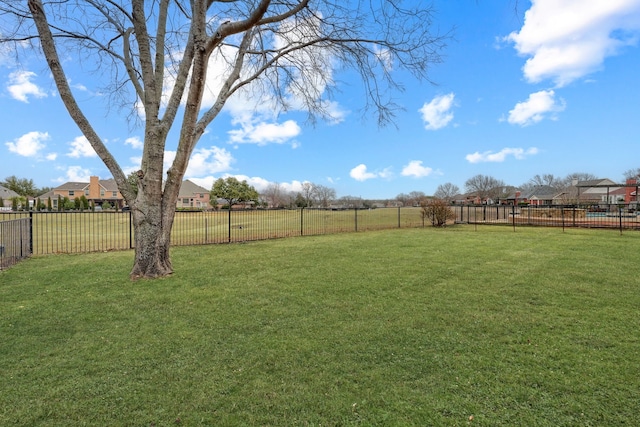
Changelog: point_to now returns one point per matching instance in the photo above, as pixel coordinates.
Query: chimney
(629, 190)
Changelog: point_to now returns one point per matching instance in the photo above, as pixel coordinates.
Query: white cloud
(568, 39)
(29, 144)
(360, 173)
(21, 86)
(437, 113)
(415, 169)
(264, 133)
(203, 161)
(80, 147)
(134, 142)
(501, 156)
(76, 174)
(51, 156)
(535, 108)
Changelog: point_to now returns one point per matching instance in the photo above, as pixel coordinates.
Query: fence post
(356, 218)
(229, 222)
(302, 221)
(130, 230)
(30, 232)
(398, 216)
(513, 216)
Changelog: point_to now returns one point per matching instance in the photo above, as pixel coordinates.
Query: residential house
(6, 196)
(96, 190)
(192, 195)
(594, 191)
(541, 195)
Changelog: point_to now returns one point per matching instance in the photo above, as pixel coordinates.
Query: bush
(437, 211)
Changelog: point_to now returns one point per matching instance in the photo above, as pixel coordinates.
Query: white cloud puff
(29, 144)
(76, 174)
(20, 86)
(135, 142)
(536, 108)
(501, 156)
(203, 161)
(264, 133)
(80, 147)
(415, 169)
(437, 113)
(360, 173)
(568, 39)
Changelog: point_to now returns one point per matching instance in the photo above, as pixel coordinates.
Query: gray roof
(5, 193)
(189, 188)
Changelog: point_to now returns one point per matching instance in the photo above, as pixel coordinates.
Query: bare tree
(274, 195)
(416, 198)
(307, 193)
(632, 174)
(157, 56)
(323, 195)
(446, 191)
(485, 187)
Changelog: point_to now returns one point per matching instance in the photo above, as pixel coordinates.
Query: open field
(438, 327)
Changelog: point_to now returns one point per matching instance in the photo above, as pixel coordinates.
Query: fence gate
(15, 241)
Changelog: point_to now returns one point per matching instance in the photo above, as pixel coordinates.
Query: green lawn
(411, 327)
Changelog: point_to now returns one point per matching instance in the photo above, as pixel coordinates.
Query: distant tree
(416, 198)
(543, 180)
(67, 204)
(274, 195)
(351, 201)
(485, 187)
(22, 186)
(49, 205)
(1, 203)
(438, 211)
(92, 205)
(323, 195)
(301, 201)
(43, 190)
(403, 199)
(77, 204)
(446, 191)
(37, 205)
(84, 203)
(106, 205)
(233, 191)
(60, 204)
(570, 179)
(632, 174)
(14, 203)
(307, 193)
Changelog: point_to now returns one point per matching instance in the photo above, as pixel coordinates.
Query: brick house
(96, 190)
(192, 195)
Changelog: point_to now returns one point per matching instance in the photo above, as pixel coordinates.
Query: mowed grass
(419, 327)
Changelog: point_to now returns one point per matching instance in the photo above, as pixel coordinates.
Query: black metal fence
(613, 216)
(15, 241)
(77, 232)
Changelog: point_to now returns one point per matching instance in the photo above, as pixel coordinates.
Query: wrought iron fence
(77, 232)
(15, 241)
(614, 216)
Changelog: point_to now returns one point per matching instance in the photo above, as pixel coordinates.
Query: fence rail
(15, 241)
(77, 232)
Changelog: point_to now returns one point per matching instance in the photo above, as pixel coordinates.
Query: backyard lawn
(408, 327)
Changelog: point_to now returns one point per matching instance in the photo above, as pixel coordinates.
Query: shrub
(437, 211)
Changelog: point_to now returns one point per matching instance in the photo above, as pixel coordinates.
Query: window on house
(101, 193)
(71, 193)
(185, 201)
(86, 192)
(114, 193)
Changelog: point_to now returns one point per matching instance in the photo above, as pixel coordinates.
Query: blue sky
(526, 88)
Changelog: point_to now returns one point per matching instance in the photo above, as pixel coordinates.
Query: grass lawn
(411, 327)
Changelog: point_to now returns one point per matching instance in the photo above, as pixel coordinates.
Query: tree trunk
(152, 242)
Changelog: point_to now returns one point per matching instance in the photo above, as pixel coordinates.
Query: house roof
(189, 188)
(5, 193)
(541, 192)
